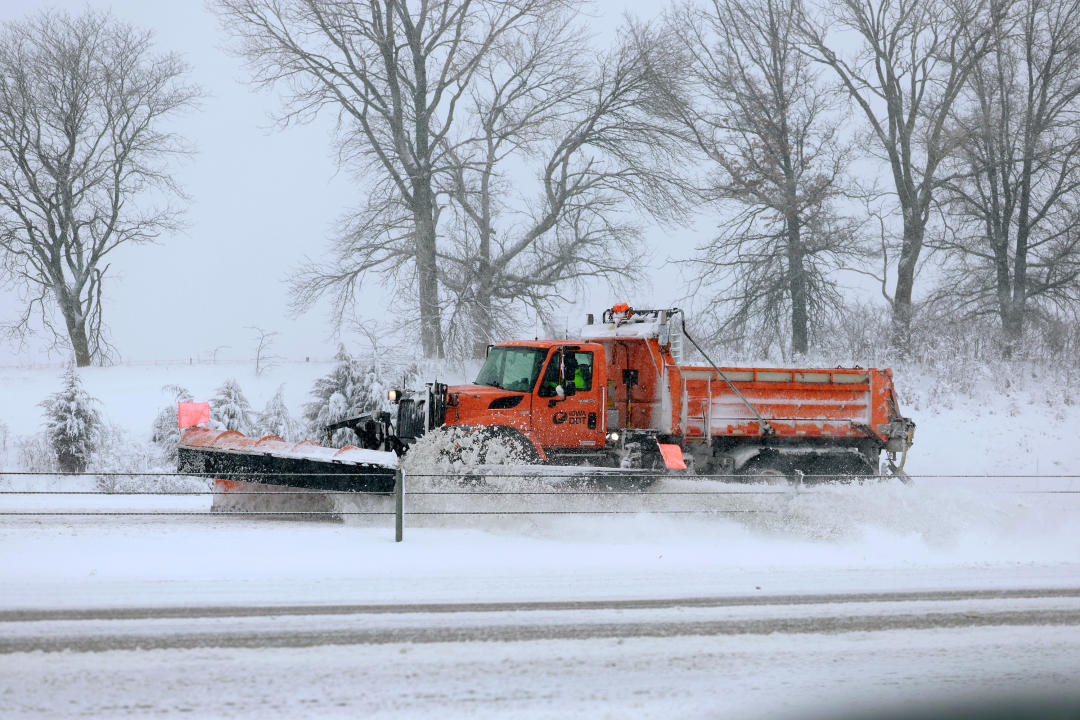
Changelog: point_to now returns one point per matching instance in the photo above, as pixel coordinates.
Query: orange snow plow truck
(620, 396)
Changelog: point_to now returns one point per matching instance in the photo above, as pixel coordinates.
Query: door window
(576, 376)
(551, 376)
(580, 369)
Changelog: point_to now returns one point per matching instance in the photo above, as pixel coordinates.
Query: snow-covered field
(939, 535)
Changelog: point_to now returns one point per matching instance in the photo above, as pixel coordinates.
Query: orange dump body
(796, 402)
(696, 404)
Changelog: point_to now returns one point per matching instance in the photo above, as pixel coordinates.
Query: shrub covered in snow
(276, 420)
(119, 455)
(165, 432)
(33, 453)
(230, 409)
(73, 424)
(124, 464)
(348, 390)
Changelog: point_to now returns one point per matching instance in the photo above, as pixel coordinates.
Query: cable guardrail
(605, 472)
(466, 483)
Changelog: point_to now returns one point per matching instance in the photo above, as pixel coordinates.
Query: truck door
(572, 419)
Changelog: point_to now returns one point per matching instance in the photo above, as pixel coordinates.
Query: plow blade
(278, 501)
(269, 475)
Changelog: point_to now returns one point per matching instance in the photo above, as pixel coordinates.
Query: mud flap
(673, 457)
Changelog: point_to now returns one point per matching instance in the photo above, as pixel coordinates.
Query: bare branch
(1013, 199)
(914, 60)
(597, 151)
(83, 101)
(768, 131)
(264, 340)
(393, 74)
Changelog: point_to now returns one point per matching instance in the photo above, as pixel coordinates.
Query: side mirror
(566, 374)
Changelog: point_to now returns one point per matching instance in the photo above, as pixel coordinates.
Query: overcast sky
(261, 200)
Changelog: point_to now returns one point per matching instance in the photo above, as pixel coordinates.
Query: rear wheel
(839, 468)
(769, 469)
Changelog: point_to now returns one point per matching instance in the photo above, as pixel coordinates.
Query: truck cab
(551, 392)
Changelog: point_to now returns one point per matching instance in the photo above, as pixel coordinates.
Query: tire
(839, 468)
(769, 468)
(505, 446)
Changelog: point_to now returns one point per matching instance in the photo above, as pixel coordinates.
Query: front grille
(412, 418)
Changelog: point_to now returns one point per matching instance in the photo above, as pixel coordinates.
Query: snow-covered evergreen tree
(230, 409)
(276, 420)
(73, 424)
(165, 433)
(348, 390)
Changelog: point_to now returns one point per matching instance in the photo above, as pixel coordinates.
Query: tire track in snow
(99, 639)
(217, 611)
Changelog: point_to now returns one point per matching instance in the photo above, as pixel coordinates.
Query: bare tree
(83, 161)
(755, 110)
(1014, 207)
(585, 131)
(393, 74)
(264, 341)
(914, 60)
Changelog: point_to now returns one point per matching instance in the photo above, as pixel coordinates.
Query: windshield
(512, 368)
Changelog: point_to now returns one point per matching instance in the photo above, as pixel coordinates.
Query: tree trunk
(1018, 306)
(1012, 327)
(431, 339)
(70, 463)
(481, 312)
(71, 309)
(905, 283)
(797, 287)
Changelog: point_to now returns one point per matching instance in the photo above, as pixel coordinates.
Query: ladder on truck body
(676, 340)
(706, 409)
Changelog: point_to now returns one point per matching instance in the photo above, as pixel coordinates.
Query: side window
(579, 370)
(551, 376)
(583, 372)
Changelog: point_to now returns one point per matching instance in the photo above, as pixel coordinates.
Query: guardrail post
(399, 505)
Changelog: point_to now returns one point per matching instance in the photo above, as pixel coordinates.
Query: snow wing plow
(269, 475)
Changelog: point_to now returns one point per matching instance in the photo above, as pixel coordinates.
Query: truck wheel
(652, 469)
(768, 469)
(839, 468)
(500, 446)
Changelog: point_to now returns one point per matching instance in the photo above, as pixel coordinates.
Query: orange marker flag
(192, 413)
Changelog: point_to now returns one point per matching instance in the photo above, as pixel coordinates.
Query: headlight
(613, 437)
(393, 395)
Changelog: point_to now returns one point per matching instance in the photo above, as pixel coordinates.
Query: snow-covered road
(275, 627)
(781, 674)
(841, 598)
